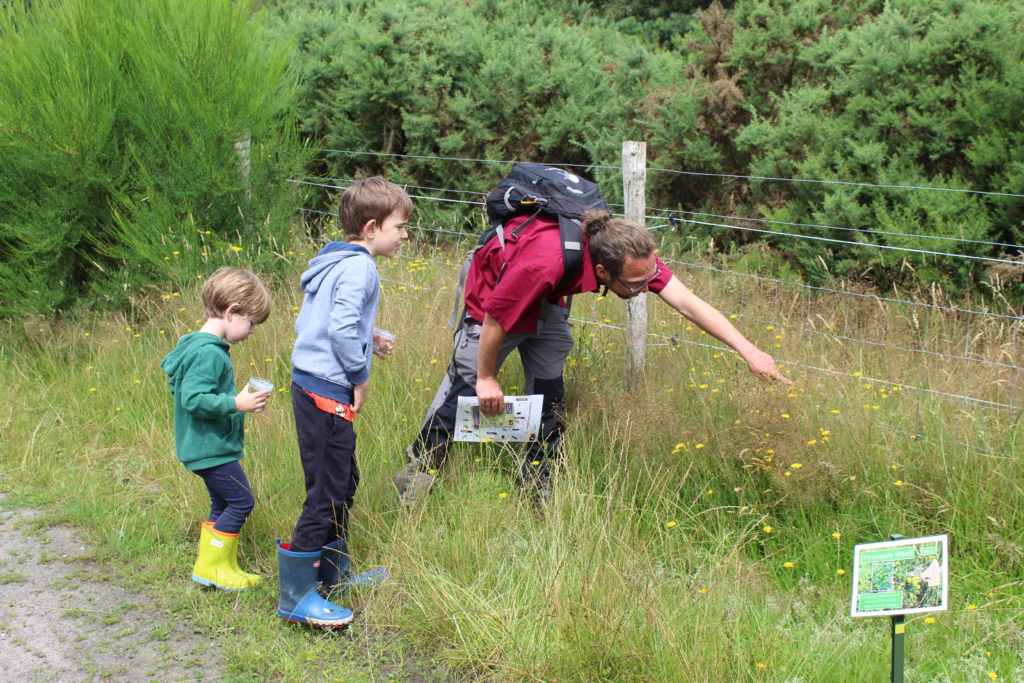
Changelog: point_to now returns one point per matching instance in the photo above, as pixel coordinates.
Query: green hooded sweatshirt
(207, 427)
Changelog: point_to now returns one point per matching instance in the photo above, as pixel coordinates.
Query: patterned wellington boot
(298, 577)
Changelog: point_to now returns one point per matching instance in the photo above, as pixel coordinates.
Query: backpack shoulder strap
(572, 249)
(455, 321)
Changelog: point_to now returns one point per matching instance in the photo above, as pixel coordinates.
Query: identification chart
(518, 422)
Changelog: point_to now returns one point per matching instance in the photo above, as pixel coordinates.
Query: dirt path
(60, 621)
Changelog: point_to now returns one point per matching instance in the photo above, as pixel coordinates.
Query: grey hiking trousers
(543, 356)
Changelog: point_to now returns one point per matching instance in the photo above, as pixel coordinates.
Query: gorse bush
(923, 94)
(118, 124)
(514, 81)
(900, 93)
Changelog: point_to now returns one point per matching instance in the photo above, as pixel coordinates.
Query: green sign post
(899, 577)
(897, 630)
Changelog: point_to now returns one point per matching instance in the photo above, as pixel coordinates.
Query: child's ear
(369, 227)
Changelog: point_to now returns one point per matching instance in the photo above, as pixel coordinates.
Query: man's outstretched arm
(708, 318)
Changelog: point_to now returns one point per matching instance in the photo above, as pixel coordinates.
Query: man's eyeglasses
(638, 288)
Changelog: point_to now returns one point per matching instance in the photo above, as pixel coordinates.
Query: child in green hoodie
(208, 418)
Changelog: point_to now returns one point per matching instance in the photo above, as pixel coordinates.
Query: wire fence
(976, 349)
(844, 335)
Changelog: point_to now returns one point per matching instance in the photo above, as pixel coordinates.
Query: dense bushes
(486, 80)
(898, 93)
(118, 123)
(923, 93)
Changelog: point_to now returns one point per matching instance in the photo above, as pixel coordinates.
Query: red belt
(329, 405)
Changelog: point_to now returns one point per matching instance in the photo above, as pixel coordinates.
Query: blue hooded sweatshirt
(334, 331)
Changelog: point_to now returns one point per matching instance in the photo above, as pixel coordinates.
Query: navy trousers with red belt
(327, 448)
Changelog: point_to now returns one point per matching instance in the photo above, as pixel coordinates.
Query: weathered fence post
(634, 176)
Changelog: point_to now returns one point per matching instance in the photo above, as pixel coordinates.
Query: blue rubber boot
(335, 571)
(298, 577)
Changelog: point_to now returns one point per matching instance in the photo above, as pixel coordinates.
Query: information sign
(905, 576)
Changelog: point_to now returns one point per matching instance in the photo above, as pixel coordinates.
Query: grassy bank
(701, 529)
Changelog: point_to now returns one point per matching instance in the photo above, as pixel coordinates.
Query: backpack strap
(571, 234)
(463, 274)
(571, 237)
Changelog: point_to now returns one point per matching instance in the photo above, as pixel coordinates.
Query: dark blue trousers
(231, 498)
(327, 448)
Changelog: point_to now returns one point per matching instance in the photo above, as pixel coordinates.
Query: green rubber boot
(217, 563)
(253, 579)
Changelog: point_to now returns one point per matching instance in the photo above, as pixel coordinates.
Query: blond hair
(242, 288)
(611, 240)
(373, 198)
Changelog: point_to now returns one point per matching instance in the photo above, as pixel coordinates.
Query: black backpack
(534, 189)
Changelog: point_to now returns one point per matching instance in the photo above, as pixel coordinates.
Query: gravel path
(61, 621)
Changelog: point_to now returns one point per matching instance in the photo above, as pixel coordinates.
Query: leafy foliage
(861, 92)
(926, 94)
(118, 124)
(514, 82)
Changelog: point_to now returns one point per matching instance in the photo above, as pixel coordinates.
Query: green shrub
(118, 123)
(904, 93)
(514, 81)
(923, 94)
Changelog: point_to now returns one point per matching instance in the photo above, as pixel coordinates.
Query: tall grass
(701, 526)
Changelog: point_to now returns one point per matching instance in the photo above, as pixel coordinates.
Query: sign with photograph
(905, 576)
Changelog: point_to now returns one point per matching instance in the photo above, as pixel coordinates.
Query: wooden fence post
(634, 176)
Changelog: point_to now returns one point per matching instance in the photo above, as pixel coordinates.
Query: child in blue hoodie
(208, 416)
(330, 378)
